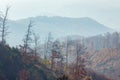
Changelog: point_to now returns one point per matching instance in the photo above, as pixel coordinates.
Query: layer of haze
(106, 12)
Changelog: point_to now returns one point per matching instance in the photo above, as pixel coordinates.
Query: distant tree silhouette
(28, 38)
(4, 26)
(48, 48)
(36, 42)
(49, 45)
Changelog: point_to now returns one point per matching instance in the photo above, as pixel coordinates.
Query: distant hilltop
(58, 26)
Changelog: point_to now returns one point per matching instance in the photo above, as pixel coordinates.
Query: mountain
(58, 26)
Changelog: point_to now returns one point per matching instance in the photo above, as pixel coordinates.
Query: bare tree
(4, 26)
(66, 55)
(45, 49)
(36, 42)
(28, 38)
(80, 60)
(49, 45)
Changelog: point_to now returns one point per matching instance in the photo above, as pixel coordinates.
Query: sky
(106, 12)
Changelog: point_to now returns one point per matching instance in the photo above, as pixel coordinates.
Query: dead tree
(36, 42)
(80, 61)
(4, 27)
(28, 38)
(67, 56)
(49, 45)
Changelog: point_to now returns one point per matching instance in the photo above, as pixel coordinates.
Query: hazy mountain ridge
(59, 26)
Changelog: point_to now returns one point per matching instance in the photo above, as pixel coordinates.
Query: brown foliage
(24, 75)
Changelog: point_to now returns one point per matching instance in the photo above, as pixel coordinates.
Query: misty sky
(106, 12)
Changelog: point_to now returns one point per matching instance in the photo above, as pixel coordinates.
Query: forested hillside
(14, 67)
